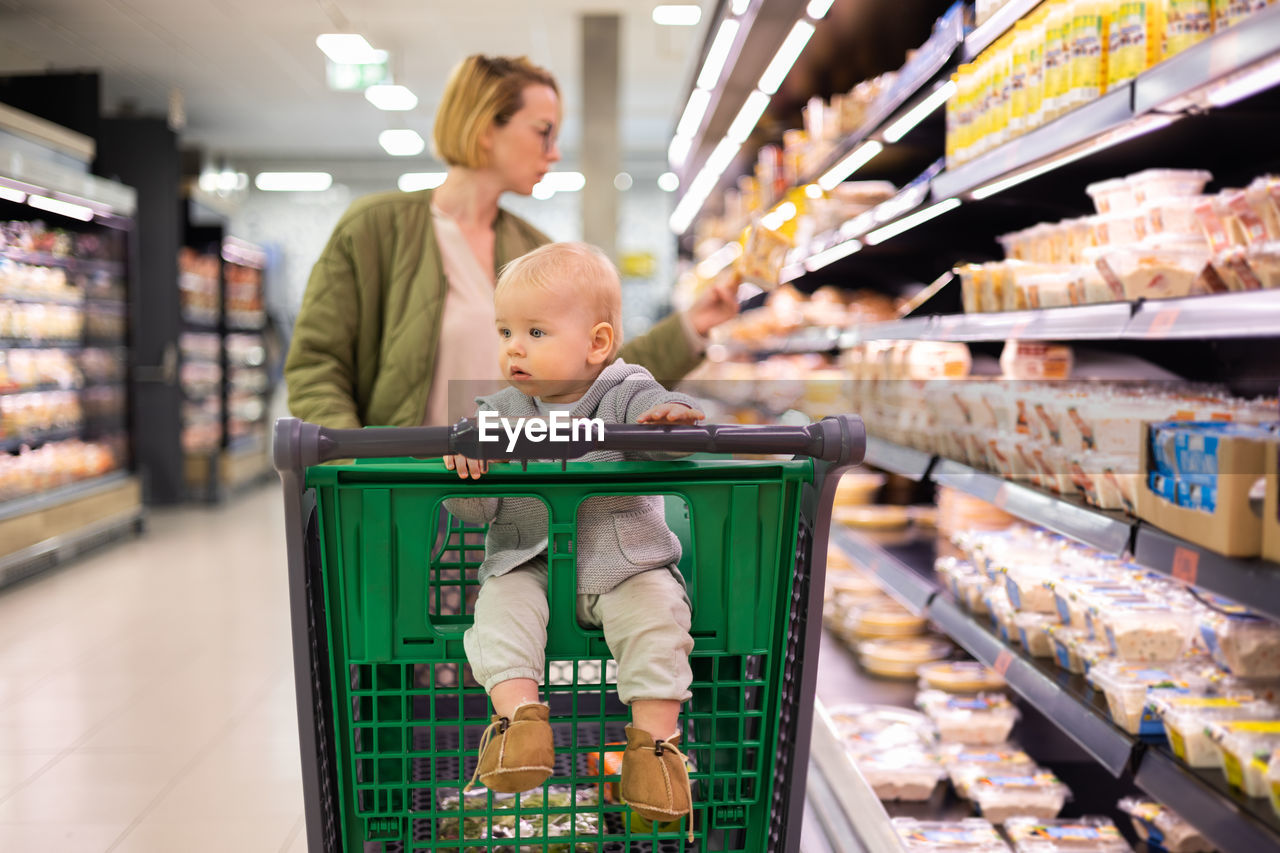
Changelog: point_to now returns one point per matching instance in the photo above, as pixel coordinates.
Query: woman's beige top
(467, 358)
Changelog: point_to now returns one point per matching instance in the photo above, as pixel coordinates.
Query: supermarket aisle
(146, 693)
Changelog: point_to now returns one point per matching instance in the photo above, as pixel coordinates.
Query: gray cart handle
(841, 439)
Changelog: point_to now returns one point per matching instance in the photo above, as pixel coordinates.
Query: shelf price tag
(1002, 662)
(1186, 564)
(1162, 322)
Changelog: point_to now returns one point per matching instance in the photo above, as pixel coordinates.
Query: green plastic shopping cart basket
(382, 582)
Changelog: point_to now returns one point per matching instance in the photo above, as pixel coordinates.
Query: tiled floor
(146, 693)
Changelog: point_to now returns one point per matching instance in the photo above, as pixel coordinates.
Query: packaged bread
(1162, 827)
(1065, 835)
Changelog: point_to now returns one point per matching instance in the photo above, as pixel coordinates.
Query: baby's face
(546, 344)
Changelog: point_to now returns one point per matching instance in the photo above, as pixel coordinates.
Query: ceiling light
(835, 253)
(668, 182)
(12, 195)
(919, 112)
(1140, 126)
(739, 6)
(391, 97)
(691, 118)
(745, 121)
(817, 9)
(65, 208)
(893, 229)
(622, 182)
(856, 159)
(776, 218)
(349, 49)
(401, 142)
(716, 56)
(678, 150)
(677, 16)
(1237, 88)
(411, 182)
(293, 181)
(786, 57)
(718, 260)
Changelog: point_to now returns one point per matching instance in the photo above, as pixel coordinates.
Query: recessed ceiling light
(411, 182)
(401, 142)
(668, 182)
(677, 16)
(622, 181)
(293, 181)
(391, 97)
(349, 49)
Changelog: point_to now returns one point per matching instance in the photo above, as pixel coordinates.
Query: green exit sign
(356, 78)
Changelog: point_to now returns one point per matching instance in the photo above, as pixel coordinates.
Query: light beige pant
(645, 618)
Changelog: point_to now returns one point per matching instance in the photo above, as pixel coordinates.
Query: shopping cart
(382, 582)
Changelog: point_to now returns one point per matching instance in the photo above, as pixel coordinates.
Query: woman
(401, 300)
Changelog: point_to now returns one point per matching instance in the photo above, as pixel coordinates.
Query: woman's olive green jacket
(364, 345)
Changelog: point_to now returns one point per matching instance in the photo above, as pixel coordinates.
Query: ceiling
(252, 81)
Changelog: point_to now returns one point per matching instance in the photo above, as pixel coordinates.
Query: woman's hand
(671, 413)
(718, 304)
(466, 468)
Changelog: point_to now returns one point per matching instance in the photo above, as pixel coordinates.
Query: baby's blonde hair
(580, 271)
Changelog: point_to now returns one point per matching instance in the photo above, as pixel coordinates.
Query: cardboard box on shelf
(1233, 525)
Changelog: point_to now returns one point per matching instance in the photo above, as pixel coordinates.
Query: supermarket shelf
(1078, 127)
(896, 459)
(1233, 822)
(1080, 323)
(1186, 75)
(40, 437)
(913, 589)
(1251, 314)
(44, 259)
(62, 494)
(1252, 582)
(1111, 532)
(37, 389)
(34, 343)
(1069, 702)
(910, 329)
(1228, 819)
(995, 26)
(849, 789)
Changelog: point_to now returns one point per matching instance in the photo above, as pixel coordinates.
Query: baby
(557, 311)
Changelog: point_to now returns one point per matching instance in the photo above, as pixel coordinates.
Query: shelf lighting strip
(855, 160)
(919, 112)
(52, 201)
(893, 229)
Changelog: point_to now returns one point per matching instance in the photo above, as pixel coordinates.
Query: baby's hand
(671, 413)
(466, 468)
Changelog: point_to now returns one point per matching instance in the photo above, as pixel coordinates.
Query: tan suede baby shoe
(654, 780)
(516, 754)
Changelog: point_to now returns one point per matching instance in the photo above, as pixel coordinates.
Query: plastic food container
(901, 658)
(1187, 720)
(1080, 834)
(972, 591)
(982, 718)
(1273, 781)
(1149, 631)
(1033, 633)
(1002, 615)
(960, 677)
(1162, 827)
(886, 623)
(1126, 684)
(1069, 596)
(1241, 642)
(1153, 184)
(972, 835)
(966, 763)
(1037, 795)
(902, 774)
(1175, 216)
(1112, 196)
(1028, 587)
(1246, 747)
(1072, 648)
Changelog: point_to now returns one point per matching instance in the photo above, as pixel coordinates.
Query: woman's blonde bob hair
(482, 91)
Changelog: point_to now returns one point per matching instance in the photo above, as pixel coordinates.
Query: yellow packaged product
(1186, 22)
(763, 256)
(1022, 36)
(1057, 58)
(1228, 13)
(901, 658)
(1246, 747)
(1035, 69)
(1089, 33)
(960, 677)
(887, 622)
